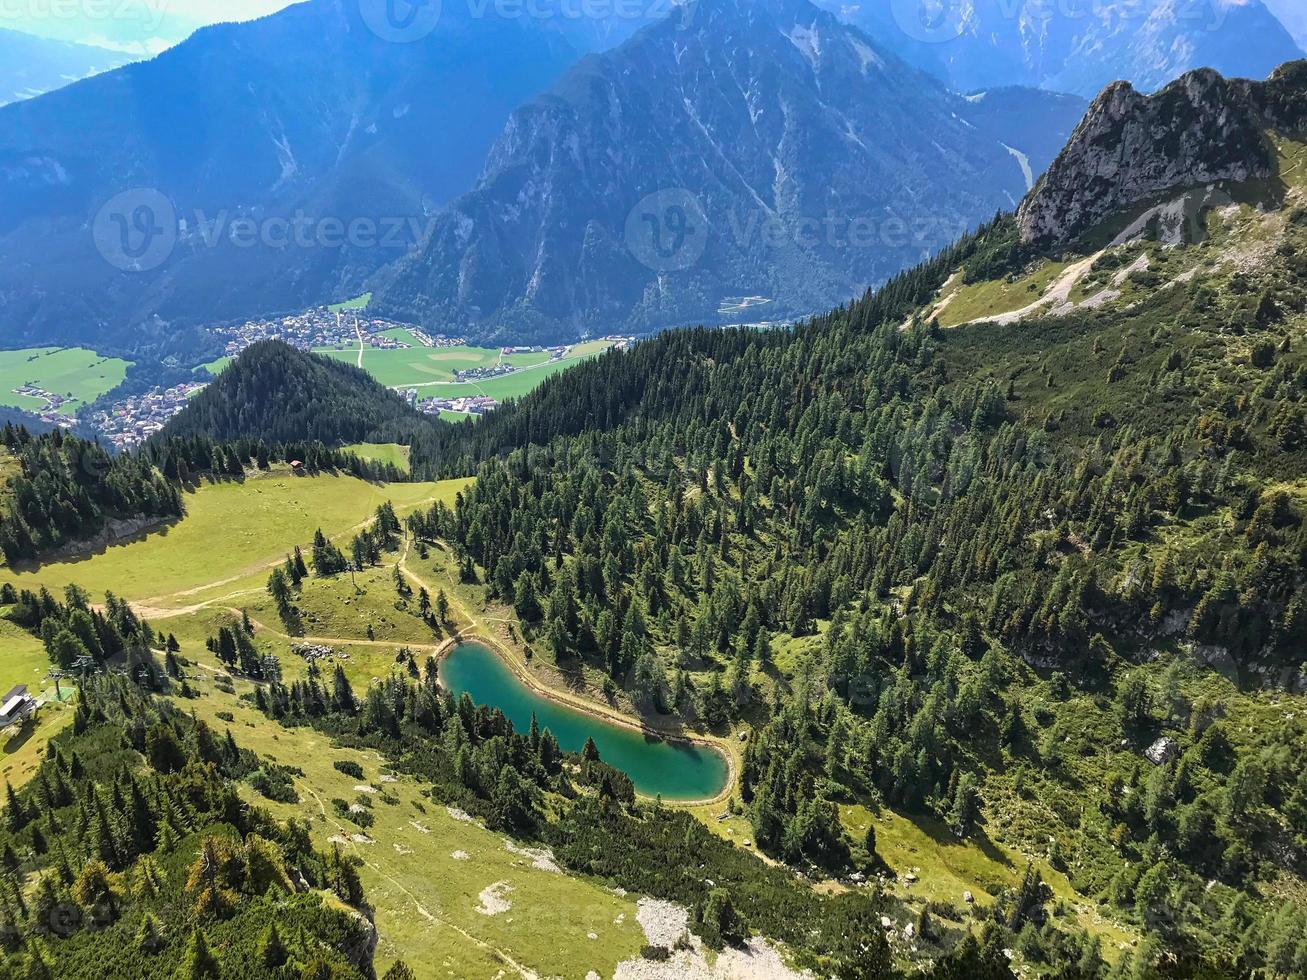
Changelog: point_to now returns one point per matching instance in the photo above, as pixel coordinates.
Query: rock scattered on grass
(494, 898)
(542, 859)
(664, 923)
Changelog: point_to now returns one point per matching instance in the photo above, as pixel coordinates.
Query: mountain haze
(1077, 46)
(780, 160)
(305, 112)
(32, 65)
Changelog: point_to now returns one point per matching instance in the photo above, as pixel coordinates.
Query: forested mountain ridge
(57, 489)
(1041, 578)
(279, 394)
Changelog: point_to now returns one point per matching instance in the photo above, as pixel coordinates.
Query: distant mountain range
(308, 115)
(732, 161)
(31, 65)
(749, 160)
(1079, 46)
(227, 177)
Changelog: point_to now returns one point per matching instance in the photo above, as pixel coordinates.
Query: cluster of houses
(321, 328)
(469, 405)
(484, 373)
(54, 411)
(129, 422)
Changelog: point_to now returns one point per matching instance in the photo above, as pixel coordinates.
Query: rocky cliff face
(742, 160)
(1129, 148)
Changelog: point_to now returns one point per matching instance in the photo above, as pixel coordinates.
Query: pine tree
(198, 961)
(149, 936)
(15, 812)
(271, 951)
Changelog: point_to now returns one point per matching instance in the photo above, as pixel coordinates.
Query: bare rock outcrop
(1130, 147)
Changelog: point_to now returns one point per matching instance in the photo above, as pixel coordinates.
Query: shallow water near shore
(677, 770)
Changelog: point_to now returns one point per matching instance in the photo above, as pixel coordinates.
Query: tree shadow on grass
(24, 735)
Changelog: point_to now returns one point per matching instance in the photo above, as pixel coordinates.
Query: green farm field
(381, 452)
(231, 534)
(520, 382)
(357, 303)
(431, 369)
(79, 374)
(416, 365)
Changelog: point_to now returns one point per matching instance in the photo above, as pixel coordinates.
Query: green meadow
(231, 534)
(416, 365)
(357, 303)
(533, 369)
(382, 452)
(79, 374)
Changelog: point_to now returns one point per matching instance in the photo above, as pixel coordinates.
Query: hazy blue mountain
(1077, 45)
(32, 65)
(740, 160)
(310, 115)
(1293, 15)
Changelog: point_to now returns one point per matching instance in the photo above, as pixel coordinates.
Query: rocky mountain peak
(1201, 129)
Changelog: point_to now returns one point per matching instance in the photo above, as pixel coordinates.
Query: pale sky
(210, 11)
(141, 27)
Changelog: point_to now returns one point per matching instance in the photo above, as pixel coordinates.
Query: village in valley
(437, 374)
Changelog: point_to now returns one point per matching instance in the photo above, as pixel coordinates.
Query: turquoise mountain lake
(676, 770)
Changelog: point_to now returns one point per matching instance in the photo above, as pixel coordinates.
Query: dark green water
(677, 771)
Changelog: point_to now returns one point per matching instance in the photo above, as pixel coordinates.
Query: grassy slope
(425, 899)
(976, 300)
(357, 303)
(379, 452)
(23, 661)
(231, 534)
(82, 374)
